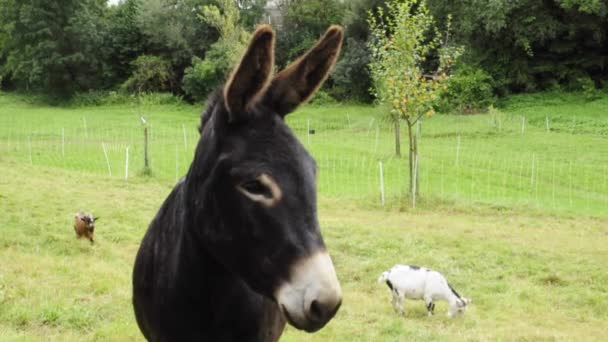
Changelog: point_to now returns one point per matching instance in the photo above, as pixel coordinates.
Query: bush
(204, 76)
(587, 86)
(201, 78)
(469, 90)
(351, 76)
(322, 98)
(152, 74)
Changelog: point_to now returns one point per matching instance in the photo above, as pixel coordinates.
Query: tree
(172, 30)
(304, 21)
(529, 45)
(55, 46)
(206, 74)
(125, 39)
(401, 45)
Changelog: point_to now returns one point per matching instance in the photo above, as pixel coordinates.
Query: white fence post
(415, 181)
(105, 153)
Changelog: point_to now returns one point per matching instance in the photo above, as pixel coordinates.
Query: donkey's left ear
(299, 81)
(249, 80)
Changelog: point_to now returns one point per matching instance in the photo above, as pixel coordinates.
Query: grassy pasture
(528, 245)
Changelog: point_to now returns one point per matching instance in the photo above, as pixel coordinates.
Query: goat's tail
(383, 278)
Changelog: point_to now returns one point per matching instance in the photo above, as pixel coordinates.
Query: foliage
(304, 21)
(529, 45)
(251, 12)
(151, 74)
(468, 90)
(400, 44)
(125, 39)
(55, 47)
(351, 76)
(204, 75)
(173, 31)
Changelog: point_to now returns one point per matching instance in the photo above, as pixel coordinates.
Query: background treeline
(186, 47)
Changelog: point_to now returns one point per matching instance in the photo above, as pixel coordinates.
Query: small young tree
(402, 42)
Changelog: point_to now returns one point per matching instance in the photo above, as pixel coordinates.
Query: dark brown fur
(84, 226)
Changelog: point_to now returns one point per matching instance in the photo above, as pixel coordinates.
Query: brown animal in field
(84, 225)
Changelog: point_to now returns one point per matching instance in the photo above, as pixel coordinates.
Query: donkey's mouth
(312, 295)
(308, 326)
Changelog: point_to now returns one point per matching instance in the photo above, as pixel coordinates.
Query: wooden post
(523, 124)
(547, 123)
(63, 142)
(146, 160)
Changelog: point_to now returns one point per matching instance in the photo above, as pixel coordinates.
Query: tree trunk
(411, 159)
(413, 165)
(398, 138)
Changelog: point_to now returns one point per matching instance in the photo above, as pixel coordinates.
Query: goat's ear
(299, 81)
(251, 77)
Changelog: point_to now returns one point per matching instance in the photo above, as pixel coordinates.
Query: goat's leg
(430, 306)
(401, 304)
(394, 301)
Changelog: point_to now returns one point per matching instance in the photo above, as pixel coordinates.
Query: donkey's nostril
(315, 312)
(320, 312)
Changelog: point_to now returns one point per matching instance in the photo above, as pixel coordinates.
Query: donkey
(236, 252)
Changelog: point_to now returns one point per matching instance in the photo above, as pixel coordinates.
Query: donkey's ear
(299, 81)
(251, 77)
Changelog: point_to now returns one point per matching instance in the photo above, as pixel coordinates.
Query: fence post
(381, 183)
(127, 163)
(415, 181)
(146, 161)
(547, 123)
(523, 124)
(105, 153)
(63, 142)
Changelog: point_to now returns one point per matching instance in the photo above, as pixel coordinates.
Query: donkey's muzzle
(313, 295)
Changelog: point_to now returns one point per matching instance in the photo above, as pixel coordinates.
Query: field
(513, 209)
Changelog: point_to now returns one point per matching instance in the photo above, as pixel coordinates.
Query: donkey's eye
(256, 188)
(263, 190)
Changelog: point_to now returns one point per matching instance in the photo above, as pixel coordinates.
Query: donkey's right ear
(299, 81)
(249, 80)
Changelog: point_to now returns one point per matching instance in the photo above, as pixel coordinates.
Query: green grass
(527, 244)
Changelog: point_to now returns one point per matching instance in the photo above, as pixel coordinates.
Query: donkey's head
(252, 185)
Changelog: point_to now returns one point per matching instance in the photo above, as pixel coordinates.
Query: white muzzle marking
(313, 295)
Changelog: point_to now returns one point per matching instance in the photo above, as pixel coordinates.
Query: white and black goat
(416, 282)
